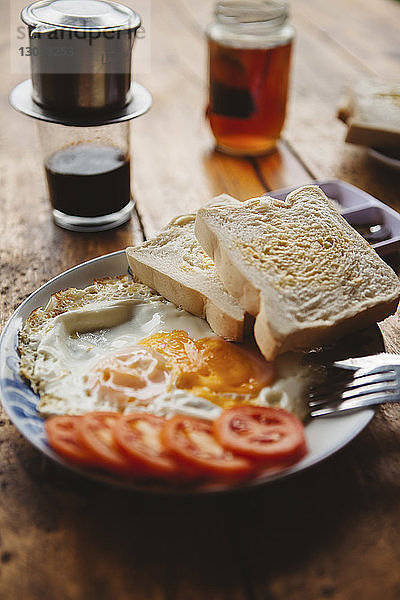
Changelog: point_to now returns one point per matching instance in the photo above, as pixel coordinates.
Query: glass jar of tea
(250, 45)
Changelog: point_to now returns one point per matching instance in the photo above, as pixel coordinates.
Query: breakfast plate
(324, 436)
(384, 159)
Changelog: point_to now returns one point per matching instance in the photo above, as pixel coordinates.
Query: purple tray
(358, 208)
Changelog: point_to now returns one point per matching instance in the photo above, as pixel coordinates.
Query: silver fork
(357, 387)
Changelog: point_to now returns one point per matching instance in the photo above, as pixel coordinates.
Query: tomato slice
(96, 432)
(63, 437)
(138, 434)
(193, 442)
(263, 433)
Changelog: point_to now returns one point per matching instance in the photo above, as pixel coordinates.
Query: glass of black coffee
(88, 175)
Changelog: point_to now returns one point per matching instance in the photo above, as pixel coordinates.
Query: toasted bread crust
(227, 325)
(233, 277)
(291, 288)
(174, 264)
(371, 110)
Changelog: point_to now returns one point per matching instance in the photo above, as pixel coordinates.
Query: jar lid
(251, 11)
(79, 14)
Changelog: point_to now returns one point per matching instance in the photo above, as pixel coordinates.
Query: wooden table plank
(364, 31)
(326, 540)
(189, 173)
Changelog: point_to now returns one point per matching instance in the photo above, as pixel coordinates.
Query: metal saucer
(21, 99)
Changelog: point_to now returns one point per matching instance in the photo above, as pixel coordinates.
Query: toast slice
(371, 111)
(174, 264)
(296, 265)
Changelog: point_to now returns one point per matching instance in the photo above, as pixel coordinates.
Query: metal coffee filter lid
(79, 15)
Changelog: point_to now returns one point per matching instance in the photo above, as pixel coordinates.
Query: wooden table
(333, 532)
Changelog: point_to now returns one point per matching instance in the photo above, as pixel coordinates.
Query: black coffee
(88, 180)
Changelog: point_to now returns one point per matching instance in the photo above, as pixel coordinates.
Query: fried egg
(118, 346)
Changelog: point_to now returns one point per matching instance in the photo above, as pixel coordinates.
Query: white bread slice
(174, 264)
(296, 265)
(371, 111)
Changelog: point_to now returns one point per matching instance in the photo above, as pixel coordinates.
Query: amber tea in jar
(250, 44)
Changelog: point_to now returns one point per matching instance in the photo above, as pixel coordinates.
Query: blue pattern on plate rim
(20, 401)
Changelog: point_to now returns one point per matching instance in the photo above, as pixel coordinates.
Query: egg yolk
(222, 372)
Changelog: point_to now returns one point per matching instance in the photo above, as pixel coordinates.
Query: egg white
(76, 340)
(67, 347)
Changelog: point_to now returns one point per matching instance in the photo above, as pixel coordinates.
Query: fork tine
(368, 379)
(378, 362)
(366, 387)
(356, 404)
(376, 370)
(342, 384)
(353, 389)
(374, 388)
(355, 394)
(339, 374)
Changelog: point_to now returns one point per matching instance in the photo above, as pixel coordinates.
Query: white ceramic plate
(325, 436)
